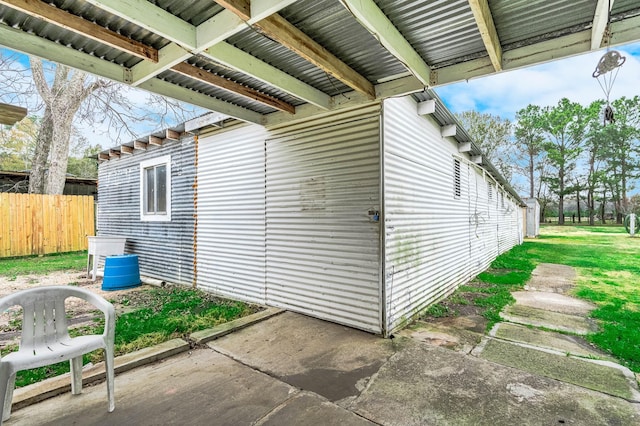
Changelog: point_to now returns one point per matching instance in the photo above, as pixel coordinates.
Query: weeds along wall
(445, 218)
(165, 248)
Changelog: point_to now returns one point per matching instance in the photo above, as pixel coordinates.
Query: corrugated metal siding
(323, 256)
(434, 240)
(165, 249)
(231, 213)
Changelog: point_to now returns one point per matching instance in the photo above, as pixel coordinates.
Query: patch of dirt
(81, 312)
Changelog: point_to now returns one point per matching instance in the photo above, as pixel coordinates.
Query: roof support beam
(61, 18)
(373, 19)
(448, 130)
(180, 93)
(30, 44)
(241, 61)
(148, 16)
(600, 20)
(242, 8)
(11, 114)
(426, 107)
(216, 80)
(140, 145)
(484, 20)
(464, 147)
(172, 135)
(625, 31)
(187, 39)
(288, 35)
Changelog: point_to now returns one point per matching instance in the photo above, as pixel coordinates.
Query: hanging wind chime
(607, 70)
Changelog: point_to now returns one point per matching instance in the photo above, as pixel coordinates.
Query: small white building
(363, 216)
(533, 217)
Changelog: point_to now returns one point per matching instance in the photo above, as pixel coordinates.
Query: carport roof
(266, 61)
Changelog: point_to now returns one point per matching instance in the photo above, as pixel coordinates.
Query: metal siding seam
(195, 215)
(384, 324)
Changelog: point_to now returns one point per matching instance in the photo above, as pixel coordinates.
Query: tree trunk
(37, 175)
(531, 176)
(561, 210)
(578, 204)
(591, 207)
(59, 155)
(62, 100)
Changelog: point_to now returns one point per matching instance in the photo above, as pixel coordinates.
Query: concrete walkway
(290, 369)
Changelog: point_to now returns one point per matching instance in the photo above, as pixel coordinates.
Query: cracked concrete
(292, 369)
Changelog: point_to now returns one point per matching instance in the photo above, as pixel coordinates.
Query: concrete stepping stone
(552, 278)
(552, 320)
(610, 379)
(555, 302)
(564, 343)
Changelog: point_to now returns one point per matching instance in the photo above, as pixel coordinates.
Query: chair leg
(7, 383)
(109, 370)
(76, 375)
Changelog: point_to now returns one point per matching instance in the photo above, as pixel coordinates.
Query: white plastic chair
(45, 338)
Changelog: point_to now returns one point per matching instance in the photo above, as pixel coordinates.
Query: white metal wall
(323, 247)
(231, 213)
(434, 240)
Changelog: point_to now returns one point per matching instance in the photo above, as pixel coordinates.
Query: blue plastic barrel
(121, 272)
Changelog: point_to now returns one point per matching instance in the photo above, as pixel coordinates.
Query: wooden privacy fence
(42, 224)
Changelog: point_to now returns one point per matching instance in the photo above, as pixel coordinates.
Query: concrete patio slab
(427, 385)
(579, 371)
(323, 373)
(460, 334)
(329, 359)
(200, 387)
(311, 409)
(554, 302)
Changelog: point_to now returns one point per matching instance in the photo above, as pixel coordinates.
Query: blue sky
(505, 93)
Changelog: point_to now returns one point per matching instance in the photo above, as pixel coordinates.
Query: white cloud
(505, 93)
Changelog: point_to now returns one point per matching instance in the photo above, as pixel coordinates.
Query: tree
(565, 126)
(82, 158)
(528, 132)
(17, 144)
(62, 101)
(68, 96)
(620, 151)
(492, 134)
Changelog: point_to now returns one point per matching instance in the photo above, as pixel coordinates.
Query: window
(456, 178)
(155, 189)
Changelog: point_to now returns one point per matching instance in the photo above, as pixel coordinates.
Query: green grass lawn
(608, 264)
(607, 261)
(14, 266)
(153, 315)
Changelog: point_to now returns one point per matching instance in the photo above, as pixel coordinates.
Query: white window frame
(155, 217)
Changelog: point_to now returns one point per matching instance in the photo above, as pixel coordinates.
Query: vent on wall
(456, 178)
